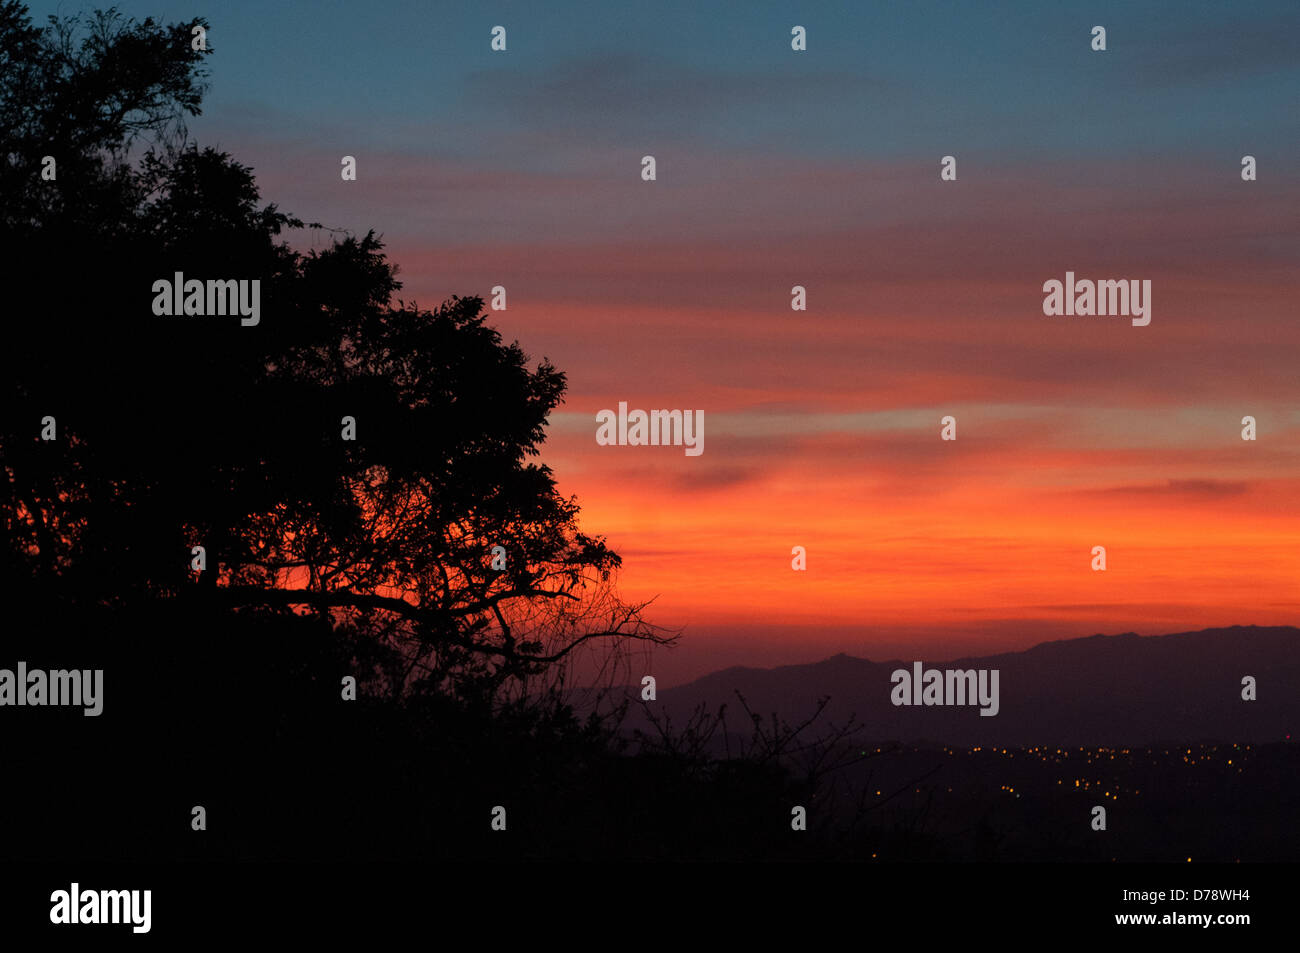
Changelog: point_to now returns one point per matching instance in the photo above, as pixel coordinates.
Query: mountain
(1102, 690)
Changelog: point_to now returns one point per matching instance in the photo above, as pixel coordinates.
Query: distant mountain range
(1102, 690)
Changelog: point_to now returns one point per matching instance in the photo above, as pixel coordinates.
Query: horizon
(665, 685)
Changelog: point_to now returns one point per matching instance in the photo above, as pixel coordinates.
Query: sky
(821, 168)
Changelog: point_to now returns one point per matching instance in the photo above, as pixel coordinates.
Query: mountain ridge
(1100, 689)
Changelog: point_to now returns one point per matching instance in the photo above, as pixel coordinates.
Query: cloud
(1213, 489)
(1221, 49)
(613, 93)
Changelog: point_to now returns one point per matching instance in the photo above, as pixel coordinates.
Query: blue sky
(879, 79)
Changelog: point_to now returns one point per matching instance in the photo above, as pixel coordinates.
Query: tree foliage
(175, 431)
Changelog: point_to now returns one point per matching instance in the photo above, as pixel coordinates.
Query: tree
(175, 432)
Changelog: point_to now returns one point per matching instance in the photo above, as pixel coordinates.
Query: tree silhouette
(324, 555)
(183, 431)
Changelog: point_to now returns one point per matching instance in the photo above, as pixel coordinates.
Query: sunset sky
(776, 168)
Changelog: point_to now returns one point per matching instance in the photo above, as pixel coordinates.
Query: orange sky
(924, 547)
(924, 298)
(822, 427)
